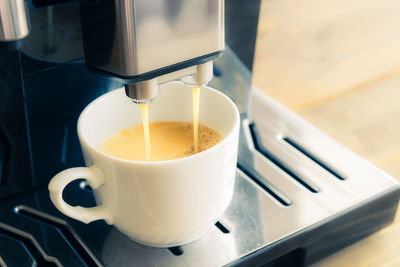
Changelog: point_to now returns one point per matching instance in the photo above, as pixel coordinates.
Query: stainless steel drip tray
(299, 196)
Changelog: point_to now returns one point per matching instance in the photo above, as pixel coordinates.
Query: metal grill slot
(177, 251)
(269, 188)
(30, 243)
(260, 148)
(313, 158)
(222, 228)
(65, 229)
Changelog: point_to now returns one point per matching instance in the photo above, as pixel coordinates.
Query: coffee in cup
(169, 140)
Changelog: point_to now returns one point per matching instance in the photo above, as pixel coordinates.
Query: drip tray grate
(299, 196)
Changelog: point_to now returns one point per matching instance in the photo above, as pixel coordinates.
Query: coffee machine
(299, 195)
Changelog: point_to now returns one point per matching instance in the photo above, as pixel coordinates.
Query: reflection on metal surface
(55, 32)
(66, 231)
(13, 20)
(40, 258)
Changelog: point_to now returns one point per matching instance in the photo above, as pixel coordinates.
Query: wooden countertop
(337, 64)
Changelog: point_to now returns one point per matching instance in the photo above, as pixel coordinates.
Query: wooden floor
(337, 64)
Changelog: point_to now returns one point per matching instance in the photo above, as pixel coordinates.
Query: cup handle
(95, 178)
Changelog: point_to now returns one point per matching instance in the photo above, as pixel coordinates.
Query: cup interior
(114, 111)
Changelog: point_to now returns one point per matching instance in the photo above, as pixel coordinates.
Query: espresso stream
(157, 141)
(196, 106)
(145, 121)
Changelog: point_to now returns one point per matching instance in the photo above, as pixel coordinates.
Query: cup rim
(158, 162)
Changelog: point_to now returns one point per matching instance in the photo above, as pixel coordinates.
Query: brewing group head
(147, 91)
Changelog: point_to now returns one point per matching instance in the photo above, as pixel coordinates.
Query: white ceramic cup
(157, 203)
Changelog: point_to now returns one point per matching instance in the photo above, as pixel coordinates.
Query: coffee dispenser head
(143, 92)
(144, 43)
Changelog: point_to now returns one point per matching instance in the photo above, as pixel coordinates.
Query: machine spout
(202, 75)
(143, 92)
(146, 91)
